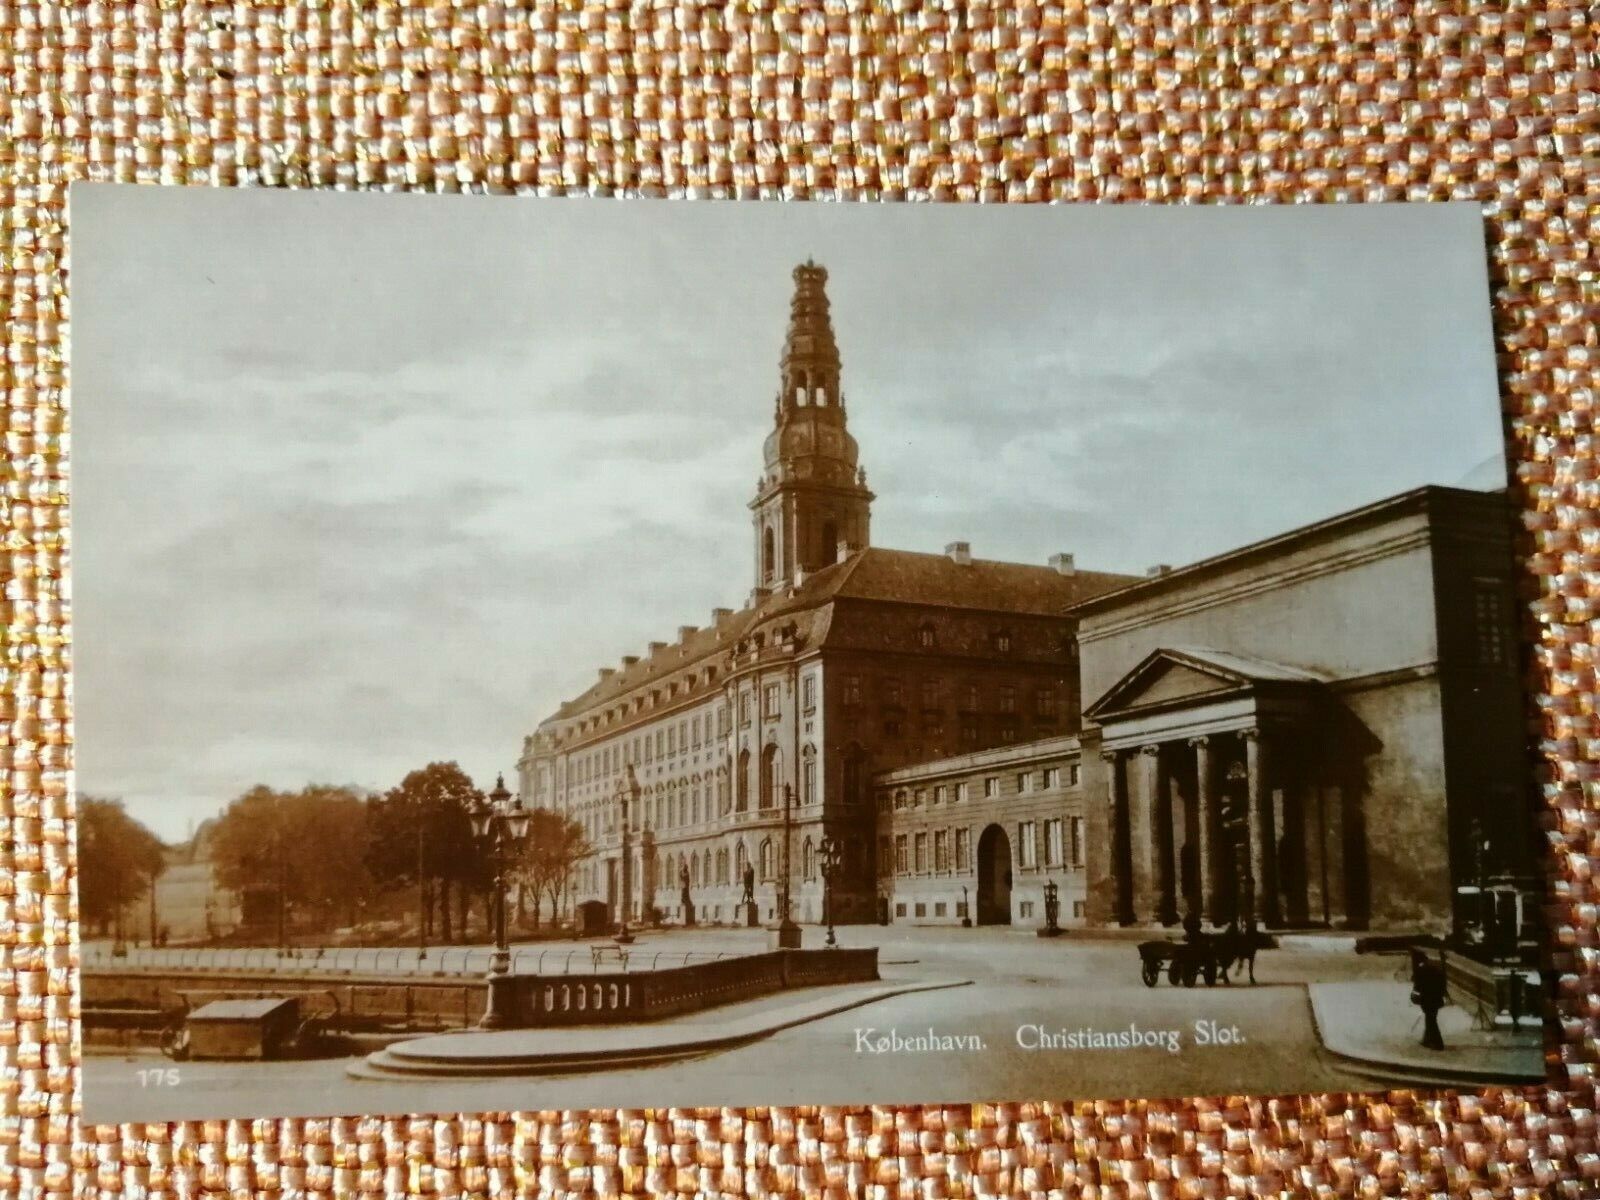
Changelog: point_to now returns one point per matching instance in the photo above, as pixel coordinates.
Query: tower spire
(812, 502)
(809, 369)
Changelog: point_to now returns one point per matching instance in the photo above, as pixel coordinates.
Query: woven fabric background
(1084, 100)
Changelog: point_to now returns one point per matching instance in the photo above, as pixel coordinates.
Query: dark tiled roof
(873, 574)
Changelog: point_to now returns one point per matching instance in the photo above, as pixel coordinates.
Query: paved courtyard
(1036, 1018)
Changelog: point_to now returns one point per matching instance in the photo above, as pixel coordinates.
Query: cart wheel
(1149, 972)
(1191, 974)
(1175, 973)
(1211, 973)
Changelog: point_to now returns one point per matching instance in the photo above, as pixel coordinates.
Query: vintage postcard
(570, 653)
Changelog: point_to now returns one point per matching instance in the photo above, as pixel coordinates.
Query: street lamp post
(500, 827)
(627, 794)
(831, 853)
(786, 934)
(422, 887)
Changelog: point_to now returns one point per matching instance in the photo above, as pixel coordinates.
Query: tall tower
(812, 498)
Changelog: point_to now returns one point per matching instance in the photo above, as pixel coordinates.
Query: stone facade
(974, 838)
(1319, 729)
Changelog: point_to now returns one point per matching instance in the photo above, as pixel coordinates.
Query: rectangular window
(900, 909)
(724, 720)
(1052, 777)
(901, 799)
(1027, 845)
(941, 850)
(744, 708)
(969, 731)
(922, 908)
(1025, 908)
(961, 792)
(961, 908)
(1077, 909)
(772, 700)
(1008, 730)
(939, 908)
(661, 742)
(883, 801)
(1008, 699)
(809, 693)
(683, 735)
(940, 793)
(930, 693)
(893, 696)
(852, 690)
(885, 857)
(991, 787)
(919, 798)
(1072, 775)
(1044, 704)
(1489, 622)
(921, 851)
(649, 754)
(697, 733)
(972, 698)
(1024, 781)
(963, 849)
(1075, 841)
(672, 740)
(1053, 856)
(891, 727)
(902, 854)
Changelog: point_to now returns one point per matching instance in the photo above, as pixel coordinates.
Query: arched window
(766, 869)
(769, 554)
(724, 800)
(694, 868)
(741, 782)
(830, 542)
(741, 860)
(722, 865)
(808, 775)
(809, 859)
(771, 776)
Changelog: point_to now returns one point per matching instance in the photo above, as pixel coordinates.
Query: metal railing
(448, 961)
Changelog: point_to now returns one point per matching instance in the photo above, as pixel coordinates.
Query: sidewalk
(589, 1047)
(1373, 1027)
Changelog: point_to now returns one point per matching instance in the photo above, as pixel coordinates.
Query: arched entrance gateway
(994, 877)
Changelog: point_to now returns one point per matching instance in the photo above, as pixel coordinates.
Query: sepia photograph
(567, 653)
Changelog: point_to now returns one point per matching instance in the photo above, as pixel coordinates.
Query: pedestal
(751, 919)
(785, 935)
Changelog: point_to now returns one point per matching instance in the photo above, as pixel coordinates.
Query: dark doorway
(994, 877)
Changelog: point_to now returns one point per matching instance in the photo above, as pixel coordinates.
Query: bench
(608, 952)
(1491, 992)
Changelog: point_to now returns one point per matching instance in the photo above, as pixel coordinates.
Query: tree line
(326, 856)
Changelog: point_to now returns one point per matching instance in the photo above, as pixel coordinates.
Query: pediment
(1160, 682)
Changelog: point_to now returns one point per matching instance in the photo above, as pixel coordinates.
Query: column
(1121, 855)
(1263, 849)
(1141, 860)
(1205, 901)
(1158, 801)
(1293, 869)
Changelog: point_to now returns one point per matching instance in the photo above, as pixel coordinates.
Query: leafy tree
(119, 860)
(305, 847)
(432, 804)
(555, 844)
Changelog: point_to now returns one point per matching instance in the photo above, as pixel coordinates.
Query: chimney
(628, 660)
(719, 615)
(685, 632)
(606, 673)
(656, 648)
(959, 552)
(1157, 571)
(1062, 564)
(845, 550)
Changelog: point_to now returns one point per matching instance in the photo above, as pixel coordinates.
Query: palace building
(1320, 729)
(763, 729)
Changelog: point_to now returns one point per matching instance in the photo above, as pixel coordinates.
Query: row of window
(892, 693)
(942, 851)
(942, 908)
(1045, 779)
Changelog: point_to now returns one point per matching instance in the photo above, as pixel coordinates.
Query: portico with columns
(1215, 802)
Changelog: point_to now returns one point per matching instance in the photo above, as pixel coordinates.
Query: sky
(362, 482)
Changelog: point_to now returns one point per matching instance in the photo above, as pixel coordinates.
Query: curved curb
(387, 1066)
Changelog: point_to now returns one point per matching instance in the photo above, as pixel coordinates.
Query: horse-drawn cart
(1185, 963)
